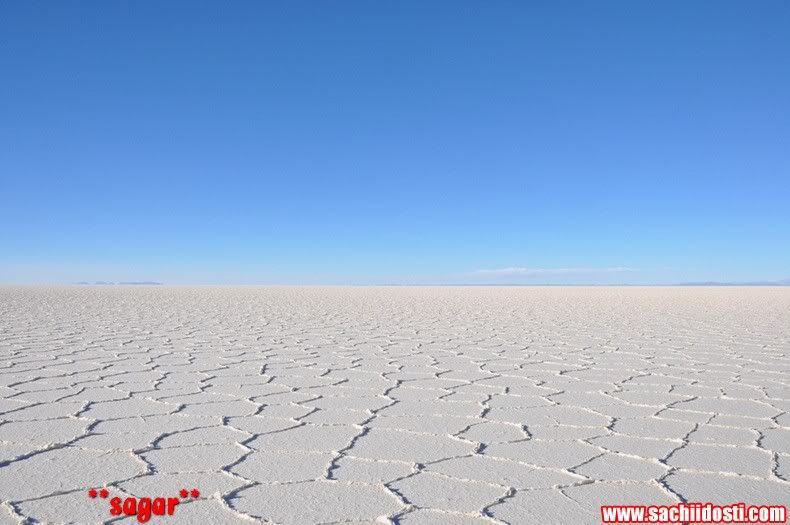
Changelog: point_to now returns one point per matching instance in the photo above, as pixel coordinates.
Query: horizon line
(709, 284)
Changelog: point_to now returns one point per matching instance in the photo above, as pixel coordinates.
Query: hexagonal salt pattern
(391, 404)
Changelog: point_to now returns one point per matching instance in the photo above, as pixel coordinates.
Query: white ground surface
(416, 405)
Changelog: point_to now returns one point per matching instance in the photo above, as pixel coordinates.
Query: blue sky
(395, 142)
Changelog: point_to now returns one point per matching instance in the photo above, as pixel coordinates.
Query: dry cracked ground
(391, 404)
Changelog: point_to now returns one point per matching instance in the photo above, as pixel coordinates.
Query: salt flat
(377, 404)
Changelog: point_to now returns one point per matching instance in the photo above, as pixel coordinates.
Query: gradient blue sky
(394, 142)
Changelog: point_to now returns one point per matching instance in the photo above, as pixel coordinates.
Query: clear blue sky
(394, 142)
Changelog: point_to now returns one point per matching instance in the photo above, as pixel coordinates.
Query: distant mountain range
(125, 282)
(780, 282)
